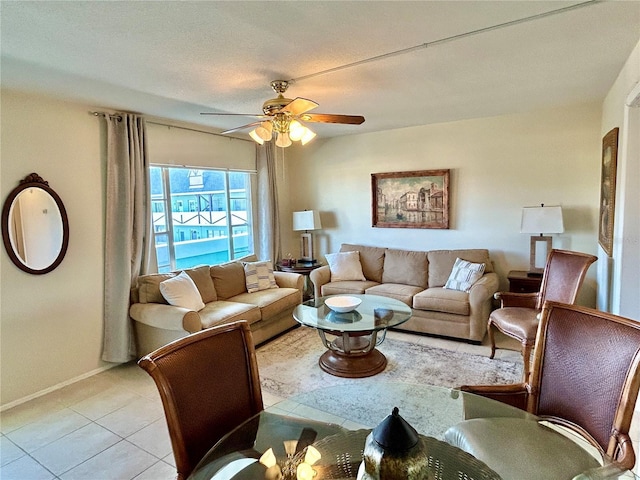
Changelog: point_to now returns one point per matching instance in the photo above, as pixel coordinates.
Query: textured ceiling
(177, 59)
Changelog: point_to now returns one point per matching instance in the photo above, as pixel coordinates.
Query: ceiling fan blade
(248, 125)
(329, 118)
(298, 106)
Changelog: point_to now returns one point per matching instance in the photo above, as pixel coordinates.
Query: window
(209, 220)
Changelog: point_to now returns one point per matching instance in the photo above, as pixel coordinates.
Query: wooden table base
(353, 365)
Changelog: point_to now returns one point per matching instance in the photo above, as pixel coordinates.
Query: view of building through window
(210, 219)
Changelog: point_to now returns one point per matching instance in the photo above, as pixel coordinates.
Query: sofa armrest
(484, 289)
(167, 317)
(319, 277)
(289, 280)
(512, 299)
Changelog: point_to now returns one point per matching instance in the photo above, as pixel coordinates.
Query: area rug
(289, 365)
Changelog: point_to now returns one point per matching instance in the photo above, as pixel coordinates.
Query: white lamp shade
(307, 220)
(539, 220)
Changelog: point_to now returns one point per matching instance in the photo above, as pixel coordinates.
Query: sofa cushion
(181, 291)
(464, 274)
(356, 286)
(439, 299)
(441, 263)
(345, 266)
(272, 301)
(403, 293)
(371, 259)
(259, 276)
(407, 267)
(149, 287)
(201, 276)
(228, 279)
(226, 312)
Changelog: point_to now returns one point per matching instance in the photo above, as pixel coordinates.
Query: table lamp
(307, 220)
(540, 220)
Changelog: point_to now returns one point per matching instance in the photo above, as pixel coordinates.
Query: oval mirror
(35, 228)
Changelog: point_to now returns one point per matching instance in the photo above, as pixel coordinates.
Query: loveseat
(418, 278)
(224, 292)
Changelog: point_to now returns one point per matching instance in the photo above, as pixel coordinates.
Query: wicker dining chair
(208, 384)
(585, 379)
(518, 315)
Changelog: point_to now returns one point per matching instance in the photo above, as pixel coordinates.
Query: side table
(520, 282)
(304, 270)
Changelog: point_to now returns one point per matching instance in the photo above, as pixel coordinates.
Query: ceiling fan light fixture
(307, 137)
(264, 131)
(256, 136)
(296, 130)
(283, 140)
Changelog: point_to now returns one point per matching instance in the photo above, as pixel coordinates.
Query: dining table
(324, 432)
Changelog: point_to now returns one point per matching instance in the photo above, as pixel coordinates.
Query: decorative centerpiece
(394, 451)
(342, 303)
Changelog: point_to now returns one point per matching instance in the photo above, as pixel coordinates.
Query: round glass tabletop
(373, 314)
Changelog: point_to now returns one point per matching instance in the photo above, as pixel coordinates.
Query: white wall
(51, 325)
(498, 165)
(618, 276)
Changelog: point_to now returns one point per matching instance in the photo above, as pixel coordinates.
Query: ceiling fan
(284, 118)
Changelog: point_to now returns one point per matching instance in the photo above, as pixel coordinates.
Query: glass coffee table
(351, 338)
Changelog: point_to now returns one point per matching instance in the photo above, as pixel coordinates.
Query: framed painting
(410, 199)
(608, 190)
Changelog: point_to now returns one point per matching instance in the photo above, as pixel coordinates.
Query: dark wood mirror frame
(33, 180)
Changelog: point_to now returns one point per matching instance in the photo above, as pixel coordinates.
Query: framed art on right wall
(608, 190)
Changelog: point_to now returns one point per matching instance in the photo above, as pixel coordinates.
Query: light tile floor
(111, 426)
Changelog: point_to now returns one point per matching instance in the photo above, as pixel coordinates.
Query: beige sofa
(417, 278)
(224, 293)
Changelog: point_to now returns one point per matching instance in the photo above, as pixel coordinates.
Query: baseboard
(58, 386)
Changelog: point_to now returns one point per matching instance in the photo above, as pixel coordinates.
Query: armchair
(518, 315)
(584, 381)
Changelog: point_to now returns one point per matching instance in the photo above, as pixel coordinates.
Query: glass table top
(374, 313)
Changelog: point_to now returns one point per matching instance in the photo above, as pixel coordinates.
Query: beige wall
(51, 325)
(618, 276)
(498, 165)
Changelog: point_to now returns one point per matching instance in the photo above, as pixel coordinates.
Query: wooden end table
(520, 282)
(304, 270)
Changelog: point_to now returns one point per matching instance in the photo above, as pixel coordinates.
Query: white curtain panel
(129, 249)
(268, 217)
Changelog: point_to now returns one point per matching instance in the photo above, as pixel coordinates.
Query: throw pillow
(463, 275)
(345, 266)
(181, 291)
(259, 276)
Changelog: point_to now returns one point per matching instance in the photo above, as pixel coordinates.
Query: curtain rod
(119, 117)
(105, 115)
(196, 130)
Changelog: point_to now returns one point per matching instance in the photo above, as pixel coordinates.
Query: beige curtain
(129, 250)
(268, 216)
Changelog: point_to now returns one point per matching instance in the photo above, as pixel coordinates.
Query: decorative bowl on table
(342, 303)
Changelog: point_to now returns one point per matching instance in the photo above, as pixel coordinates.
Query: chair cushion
(442, 300)
(403, 293)
(229, 279)
(354, 286)
(407, 267)
(345, 266)
(518, 322)
(181, 291)
(514, 447)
